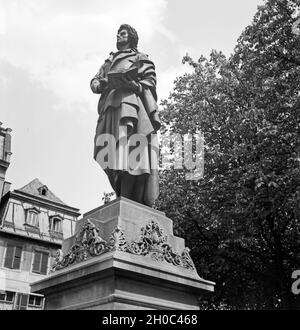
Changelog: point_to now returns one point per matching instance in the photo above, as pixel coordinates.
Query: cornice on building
(18, 232)
(20, 195)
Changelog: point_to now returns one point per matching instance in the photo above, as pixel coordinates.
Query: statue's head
(127, 35)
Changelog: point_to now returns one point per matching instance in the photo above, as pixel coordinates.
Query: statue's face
(122, 38)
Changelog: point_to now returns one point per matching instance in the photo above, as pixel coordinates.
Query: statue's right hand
(103, 81)
(103, 84)
(95, 86)
(99, 85)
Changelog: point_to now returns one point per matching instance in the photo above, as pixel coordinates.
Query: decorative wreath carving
(152, 241)
(87, 244)
(117, 240)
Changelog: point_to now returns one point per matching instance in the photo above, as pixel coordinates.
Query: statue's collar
(115, 57)
(126, 51)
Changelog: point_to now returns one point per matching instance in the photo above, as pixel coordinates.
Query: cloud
(168, 74)
(61, 44)
(167, 78)
(2, 21)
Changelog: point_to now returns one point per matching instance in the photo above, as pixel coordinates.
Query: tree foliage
(108, 197)
(242, 219)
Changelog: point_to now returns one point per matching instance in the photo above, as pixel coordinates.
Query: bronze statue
(128, 109)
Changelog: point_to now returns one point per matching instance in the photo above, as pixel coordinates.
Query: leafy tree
(242, 219)
(108, 197)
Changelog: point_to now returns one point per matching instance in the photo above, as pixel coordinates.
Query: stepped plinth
(124, 255)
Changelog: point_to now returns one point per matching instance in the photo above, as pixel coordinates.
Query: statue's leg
(115, 179)
(139, 188)
(127, 185)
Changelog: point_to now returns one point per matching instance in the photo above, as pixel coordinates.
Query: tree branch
(286, 58)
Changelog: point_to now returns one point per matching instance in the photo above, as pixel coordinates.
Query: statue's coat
(137, 112)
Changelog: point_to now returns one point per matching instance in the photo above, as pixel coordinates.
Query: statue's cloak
(122, 111)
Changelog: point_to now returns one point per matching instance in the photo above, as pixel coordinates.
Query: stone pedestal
(124, 256)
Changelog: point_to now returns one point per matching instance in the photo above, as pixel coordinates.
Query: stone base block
(118, 280)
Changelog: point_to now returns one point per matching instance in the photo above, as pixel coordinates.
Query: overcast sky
(50, 50)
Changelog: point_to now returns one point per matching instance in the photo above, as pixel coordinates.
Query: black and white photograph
(149, 158)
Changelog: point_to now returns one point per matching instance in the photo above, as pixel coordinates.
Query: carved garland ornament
(152, 242)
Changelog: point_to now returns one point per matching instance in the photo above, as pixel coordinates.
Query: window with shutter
(35, 301)
(17, 257)
(36, 262)
(40, 263)
(9, 256)
(22, 301)
(38, 301)
(44, 264)
(10, 296)
(31, 300)
(13, 257)
(7, 296)
(55, 224)
(32, 217)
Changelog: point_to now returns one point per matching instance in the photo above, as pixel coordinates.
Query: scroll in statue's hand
(124, 79)
(130, 84)
(125, 83)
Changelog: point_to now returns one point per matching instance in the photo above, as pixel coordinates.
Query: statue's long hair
(132, 34)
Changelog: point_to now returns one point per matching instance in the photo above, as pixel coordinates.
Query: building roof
(34, 188)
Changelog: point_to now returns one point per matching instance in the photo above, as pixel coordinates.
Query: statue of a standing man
(128, 108)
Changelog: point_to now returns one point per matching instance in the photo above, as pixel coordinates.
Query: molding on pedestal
(152, 241)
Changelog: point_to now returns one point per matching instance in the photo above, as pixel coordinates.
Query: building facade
(33, 224)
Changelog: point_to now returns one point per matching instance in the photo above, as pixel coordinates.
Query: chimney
(5, 154)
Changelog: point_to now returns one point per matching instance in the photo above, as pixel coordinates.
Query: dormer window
(43, 191)
(55, 223)
(32, 217)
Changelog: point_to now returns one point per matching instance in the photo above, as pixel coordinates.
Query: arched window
(43, 191)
